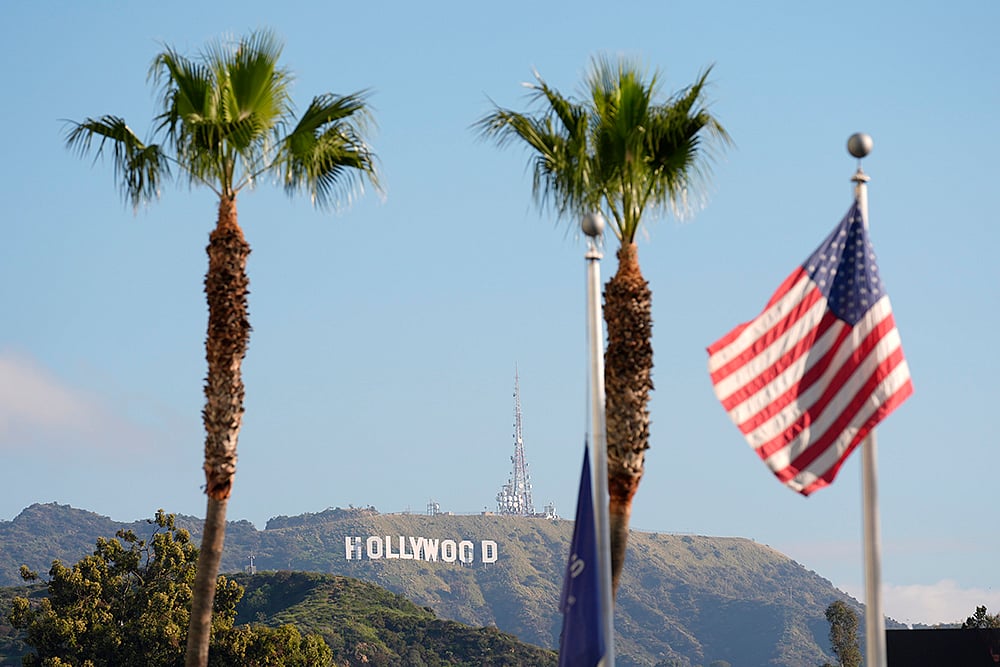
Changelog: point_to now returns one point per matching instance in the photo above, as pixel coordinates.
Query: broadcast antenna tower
(515, 496)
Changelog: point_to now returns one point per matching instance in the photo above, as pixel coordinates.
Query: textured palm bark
(628, 367)
(226, 289)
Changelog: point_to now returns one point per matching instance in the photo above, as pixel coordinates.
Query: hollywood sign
(419, 548)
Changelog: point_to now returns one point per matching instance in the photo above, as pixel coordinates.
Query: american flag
(811, 376)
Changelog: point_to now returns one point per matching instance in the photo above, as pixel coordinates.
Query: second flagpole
(859, 145)
(593, 226)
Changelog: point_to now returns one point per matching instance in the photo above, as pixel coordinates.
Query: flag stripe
(793, 383)
(843, 371)
(768, 370)
(788, 333)
(827, 477)
(823, 468)
(791, 292)
(852, 406)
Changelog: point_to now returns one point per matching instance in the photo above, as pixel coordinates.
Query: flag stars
(845, 271)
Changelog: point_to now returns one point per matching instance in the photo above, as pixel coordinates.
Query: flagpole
(593, 226)
(859, 145)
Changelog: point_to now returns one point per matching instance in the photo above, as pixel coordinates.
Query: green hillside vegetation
(684, 599)
(364, 623)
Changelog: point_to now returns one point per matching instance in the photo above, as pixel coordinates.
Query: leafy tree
(262, 646)
(227, 121)
(844, 633)
(981, 620)
(627, 154)
(128, 604)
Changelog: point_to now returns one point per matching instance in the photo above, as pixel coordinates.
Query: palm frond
(224, 112)
(254, 89)
(137, 167)
(557, 134)
(649, 154)
(326, 154)
(683, 143)
(187, 92)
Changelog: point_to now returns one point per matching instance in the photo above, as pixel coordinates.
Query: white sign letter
(374, 547)
(402, 549)
(489, 554)
(415, 545)
(448, 551)
(388, 548)
(430, 549)
(352, 548)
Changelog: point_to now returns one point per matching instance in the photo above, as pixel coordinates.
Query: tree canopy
(844, 633)
(128, 604)
(625, 150)
(981, 620)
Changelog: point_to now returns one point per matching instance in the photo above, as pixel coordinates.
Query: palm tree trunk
(203, 595)
(628, 366)
(226, 289)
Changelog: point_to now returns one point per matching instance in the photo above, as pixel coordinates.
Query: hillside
(685, 598)
(362, 623)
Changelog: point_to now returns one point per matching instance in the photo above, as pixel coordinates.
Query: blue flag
(582, 643)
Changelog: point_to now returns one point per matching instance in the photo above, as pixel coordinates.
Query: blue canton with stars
(845, 271)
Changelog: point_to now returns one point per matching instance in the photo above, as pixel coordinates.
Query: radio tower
(514, 498)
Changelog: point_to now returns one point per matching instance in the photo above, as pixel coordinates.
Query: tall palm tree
(624, 153)
(226, 121)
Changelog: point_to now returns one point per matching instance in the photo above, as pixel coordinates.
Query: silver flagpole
(859, 145)
(593, 226)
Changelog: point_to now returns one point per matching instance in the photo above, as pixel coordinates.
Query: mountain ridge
(689, 599)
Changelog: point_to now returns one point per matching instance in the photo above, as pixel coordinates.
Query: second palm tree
(623, 153)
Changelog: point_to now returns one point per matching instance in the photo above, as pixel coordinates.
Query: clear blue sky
(385, 337)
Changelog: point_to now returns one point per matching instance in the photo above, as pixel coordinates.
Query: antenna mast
(515, 496)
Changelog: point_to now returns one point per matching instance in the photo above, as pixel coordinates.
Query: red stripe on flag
(781, 364)
(847, 415)
(819, 444)
(894, 401)
(835, 432)
(726, 340)
(795, 314)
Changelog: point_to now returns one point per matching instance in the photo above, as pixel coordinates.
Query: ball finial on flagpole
(593, 224)
(859, 144)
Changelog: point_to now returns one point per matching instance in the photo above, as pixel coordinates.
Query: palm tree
(626, 154)
(226, 121)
